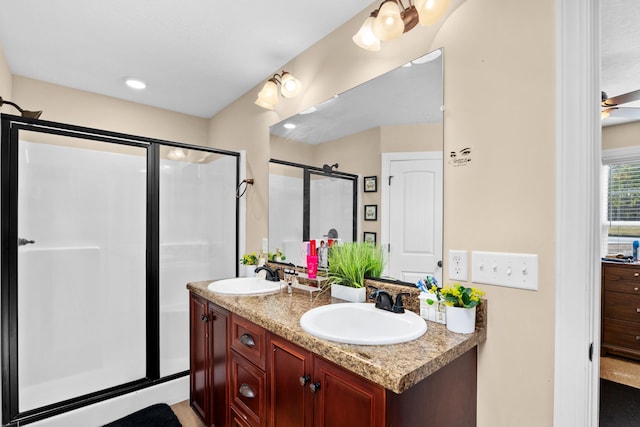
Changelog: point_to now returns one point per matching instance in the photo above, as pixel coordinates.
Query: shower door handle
(23, 241)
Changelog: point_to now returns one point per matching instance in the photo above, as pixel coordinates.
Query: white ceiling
(620, 50)
(196, 56)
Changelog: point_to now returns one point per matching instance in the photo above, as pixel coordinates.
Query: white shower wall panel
(81, 293)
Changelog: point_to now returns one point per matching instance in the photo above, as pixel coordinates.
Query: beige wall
(499, 68)
(76, 107)
(620, 136)
(6, 83)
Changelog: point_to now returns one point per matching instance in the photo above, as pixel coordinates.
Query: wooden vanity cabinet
(208, 361)
(306, 391)
(621, 309)
(247, 376)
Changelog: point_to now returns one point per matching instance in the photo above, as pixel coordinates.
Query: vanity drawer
(621, 334)
(621, 278)
(249, 340)
(622, 306)
(248, 389)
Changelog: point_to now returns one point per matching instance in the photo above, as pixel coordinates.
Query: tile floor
(185, 415)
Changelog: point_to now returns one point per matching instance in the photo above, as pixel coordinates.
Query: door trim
(577, 280)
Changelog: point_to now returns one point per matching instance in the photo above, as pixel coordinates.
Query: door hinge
(591, 352)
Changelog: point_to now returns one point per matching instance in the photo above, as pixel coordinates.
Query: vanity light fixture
(289, 88)
(23, 113)
(392, 19)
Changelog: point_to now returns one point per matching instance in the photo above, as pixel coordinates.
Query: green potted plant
(250, 262)
(461, 303)
(349, 263)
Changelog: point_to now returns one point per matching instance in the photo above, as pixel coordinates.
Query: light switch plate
(458, 265)
(505, 269)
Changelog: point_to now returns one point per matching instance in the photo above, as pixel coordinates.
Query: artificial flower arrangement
(277, 256)
(459, 296)
(249, 259)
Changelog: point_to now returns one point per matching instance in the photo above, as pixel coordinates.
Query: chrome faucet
(272, 275)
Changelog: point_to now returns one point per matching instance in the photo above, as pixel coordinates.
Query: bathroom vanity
(253, 365)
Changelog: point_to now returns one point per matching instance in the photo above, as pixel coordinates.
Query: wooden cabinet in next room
(621, 309)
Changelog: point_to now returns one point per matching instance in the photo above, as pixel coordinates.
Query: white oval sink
(244, 286)
(362, 323)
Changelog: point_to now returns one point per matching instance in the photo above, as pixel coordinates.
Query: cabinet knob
(637, 309)
(247, 391)
(305, 380)
(204, 317)
(314, 387)
(635, 289)
(637, 337)
(636, 274)
(247, 340)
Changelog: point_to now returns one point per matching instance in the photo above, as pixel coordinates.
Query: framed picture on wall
(370, 184)
(370, 212)
(369, 237)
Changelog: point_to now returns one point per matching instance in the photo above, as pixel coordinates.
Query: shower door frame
(9, 140)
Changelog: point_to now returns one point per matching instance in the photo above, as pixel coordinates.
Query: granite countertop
(396, 367)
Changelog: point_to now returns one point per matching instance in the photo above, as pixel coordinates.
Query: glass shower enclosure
(100, 234)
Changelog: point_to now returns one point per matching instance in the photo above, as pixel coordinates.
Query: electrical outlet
(458, 265)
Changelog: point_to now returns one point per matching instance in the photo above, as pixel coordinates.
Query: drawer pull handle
(247, 391)
(636, 274)
(247, 340)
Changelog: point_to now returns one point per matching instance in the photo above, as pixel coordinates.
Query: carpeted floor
(158, 415)
(619, 405)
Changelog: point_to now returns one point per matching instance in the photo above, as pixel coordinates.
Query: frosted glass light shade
(430, 11)
(365, 38)
(268, 96)
(290, 86)
(388, 25)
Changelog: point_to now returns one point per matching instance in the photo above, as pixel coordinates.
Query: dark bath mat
(619, 405)
(158, 415)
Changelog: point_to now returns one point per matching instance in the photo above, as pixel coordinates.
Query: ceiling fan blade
(627, 113)
(622, 99)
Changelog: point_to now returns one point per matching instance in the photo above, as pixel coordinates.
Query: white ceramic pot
(349, 294)
(249, 270)
(461, 320)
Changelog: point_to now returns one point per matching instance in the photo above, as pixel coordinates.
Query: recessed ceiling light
(289, 126)
(135, 83)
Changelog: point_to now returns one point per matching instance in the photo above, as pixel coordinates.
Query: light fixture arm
(23, 113)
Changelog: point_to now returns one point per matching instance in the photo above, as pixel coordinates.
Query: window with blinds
(623, 206)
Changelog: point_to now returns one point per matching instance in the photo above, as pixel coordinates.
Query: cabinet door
(345, 399)
(199, 376)
(290, 399)
(217, 361)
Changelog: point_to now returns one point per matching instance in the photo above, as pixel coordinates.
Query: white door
(412, 200)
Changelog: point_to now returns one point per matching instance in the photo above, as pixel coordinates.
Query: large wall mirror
(389, 130)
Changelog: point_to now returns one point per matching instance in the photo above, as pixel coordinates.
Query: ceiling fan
(611, 105)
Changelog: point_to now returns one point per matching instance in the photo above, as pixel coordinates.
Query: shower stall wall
(101, 232)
